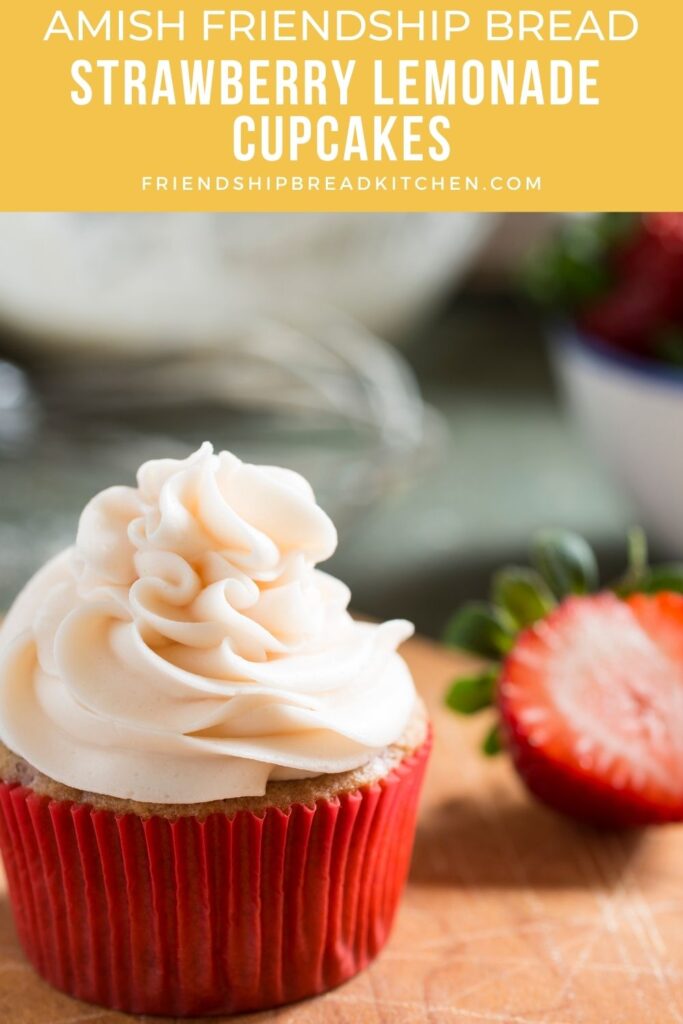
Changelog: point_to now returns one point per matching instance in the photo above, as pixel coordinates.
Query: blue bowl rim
(567, 335)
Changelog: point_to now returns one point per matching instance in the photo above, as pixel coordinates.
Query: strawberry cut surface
(591, 700)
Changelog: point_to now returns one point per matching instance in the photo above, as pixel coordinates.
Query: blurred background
(398, 361)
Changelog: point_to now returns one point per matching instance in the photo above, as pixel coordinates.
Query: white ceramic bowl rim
(570, 336)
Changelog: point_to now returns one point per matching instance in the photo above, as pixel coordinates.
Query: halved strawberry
(591, 701)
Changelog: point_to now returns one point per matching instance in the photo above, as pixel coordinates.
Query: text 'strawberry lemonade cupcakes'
(210, 771)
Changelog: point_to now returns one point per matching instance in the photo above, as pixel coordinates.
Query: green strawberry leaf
(480, 629)
(575, 267)
(662, 577)
(523, 594)
(565, 561)
(493, 742)
(470, 694)
(668, 345)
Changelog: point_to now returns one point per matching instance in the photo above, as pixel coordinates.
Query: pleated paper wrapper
(191, 916)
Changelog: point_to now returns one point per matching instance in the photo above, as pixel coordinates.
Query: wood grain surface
(512, 915)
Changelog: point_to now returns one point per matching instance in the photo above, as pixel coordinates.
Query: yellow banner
(311, 107)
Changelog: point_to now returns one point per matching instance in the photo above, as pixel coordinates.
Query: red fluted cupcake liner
(192, 917)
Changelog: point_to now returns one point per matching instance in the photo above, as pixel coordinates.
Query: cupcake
(210, 771)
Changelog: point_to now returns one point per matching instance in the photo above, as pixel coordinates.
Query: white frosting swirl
(187, 649)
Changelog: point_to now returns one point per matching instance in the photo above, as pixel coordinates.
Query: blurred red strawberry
(646, 299)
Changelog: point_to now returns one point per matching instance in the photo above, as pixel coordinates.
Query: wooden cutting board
(512, 915)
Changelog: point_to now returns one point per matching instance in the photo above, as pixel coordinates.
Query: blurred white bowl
(142, 284)
(631, 411)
